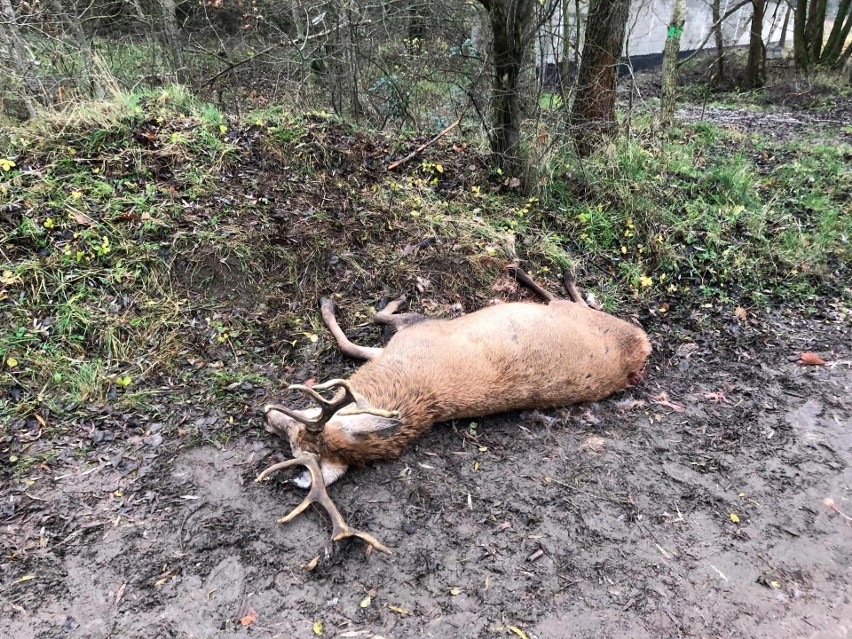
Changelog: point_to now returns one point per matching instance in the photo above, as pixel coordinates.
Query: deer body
(501, 358)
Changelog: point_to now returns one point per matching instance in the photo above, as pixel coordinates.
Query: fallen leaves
(741, 314)
(811, 359)
(249, 618)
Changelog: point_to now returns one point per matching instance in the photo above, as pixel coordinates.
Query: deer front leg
(389, 316)
(346, 347)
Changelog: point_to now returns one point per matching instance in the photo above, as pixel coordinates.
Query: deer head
(336, 423)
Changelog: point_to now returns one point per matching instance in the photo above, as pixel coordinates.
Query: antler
(328, 407)
(319, 495)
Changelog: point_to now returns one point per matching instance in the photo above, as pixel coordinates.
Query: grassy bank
(156, 253)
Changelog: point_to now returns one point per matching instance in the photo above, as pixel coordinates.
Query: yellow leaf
(49, 223)
(518, 632)
(397, 609)
(735, 518)
(76, 195)
(455, 591)
(124, 380)
(366, 601)
(223, 129)
(318, 627)
(11, 362)
(415, 214)
(475, 466)
(24, 578)
(482, 449)
(645, 280)
(775, 584)
(439, 168)
(312, 337)
(623, 249)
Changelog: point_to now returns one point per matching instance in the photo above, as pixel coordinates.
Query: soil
(693, 505)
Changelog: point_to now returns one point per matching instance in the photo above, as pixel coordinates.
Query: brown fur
(501, 358)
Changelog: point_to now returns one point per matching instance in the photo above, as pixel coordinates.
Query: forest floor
(713, 500)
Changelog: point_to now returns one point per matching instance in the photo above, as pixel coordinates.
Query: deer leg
(522, 278)
(389, 316)
(346, 347)
(573, 291)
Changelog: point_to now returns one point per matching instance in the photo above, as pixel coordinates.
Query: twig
(420, 148)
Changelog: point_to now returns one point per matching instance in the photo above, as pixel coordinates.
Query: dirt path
(621, 519)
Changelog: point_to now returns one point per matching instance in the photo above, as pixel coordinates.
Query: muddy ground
(712, 501)
(626, 518)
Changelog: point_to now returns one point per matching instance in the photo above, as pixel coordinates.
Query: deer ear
(357, 427)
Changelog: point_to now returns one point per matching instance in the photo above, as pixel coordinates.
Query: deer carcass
(506, 357)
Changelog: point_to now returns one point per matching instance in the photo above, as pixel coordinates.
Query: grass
(158, 254)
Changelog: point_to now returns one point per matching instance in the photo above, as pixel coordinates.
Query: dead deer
(505, 357)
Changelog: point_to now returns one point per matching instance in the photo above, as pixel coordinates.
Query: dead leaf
(81, 218)
(250, 617)
(811, 359)
(398, 610)
(366, 601)
(741, 313)
(518, 632)
(311, 564)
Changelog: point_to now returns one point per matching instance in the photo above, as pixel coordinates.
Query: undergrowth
(155, 247)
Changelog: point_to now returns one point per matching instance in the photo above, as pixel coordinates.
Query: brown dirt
(614, 519)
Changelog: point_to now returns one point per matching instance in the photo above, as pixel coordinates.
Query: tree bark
(168, 13)
(755, 66)
(800, 41)
(668, 101)
(719, 64)
(510, 25)
(839, 33)
(593, 115)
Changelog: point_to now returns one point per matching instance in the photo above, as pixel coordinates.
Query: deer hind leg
(573, 292)
(522, 278)
(346, 347)
(388, 316)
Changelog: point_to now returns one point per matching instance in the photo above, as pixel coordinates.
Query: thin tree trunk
(22, 60)
(800, 41)
(782, 41)
(593, 115)
(73, 25)
(839, 33)
(170, 35)
(818, 29)
(668, 102)
(756, 50)
(719, 64)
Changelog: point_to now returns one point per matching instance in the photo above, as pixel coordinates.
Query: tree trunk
(168, 13)
(816, 29)
(510, 25)
(755, 66)
(668, 101)
(839, 33)
(593, 115)
(782, 41)
(800, 41)
(719, 64)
